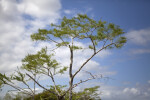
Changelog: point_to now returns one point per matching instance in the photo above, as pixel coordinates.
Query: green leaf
(61, 71)
(91, 47)
(77, 47)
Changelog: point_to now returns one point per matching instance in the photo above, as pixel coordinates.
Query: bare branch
(90, 59)
(51, 75)
(89, 73)
(19, 89)
(41, 85)
(28, 86)
(82, 81)
(52, 40)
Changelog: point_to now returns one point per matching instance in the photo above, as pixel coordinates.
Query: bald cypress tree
(99, 34)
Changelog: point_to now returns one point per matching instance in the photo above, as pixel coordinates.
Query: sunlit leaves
(120, 42)
(61, 71)
(80, 27)
(62, 44)
(41, 63)
(77, 48)
(91, 47)
(88, 94)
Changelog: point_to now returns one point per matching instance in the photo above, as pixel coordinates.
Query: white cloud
(108, 92)
(139, 51)
(125, 93)
(15, 40)
(131, 90)
(139, 37)
(67, 11)
(40, 8)
(75, 11)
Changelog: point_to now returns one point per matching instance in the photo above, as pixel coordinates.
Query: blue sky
(128, 67)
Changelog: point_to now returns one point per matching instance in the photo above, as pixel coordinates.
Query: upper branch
(91, 58)
(93, 45)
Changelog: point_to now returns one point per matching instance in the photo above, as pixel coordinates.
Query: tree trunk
(70, 91)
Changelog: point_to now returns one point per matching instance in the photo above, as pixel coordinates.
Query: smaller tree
(33, 66)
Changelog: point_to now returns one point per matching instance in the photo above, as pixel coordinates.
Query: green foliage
(91, 47)
(120, 42)
(80, 27)
(62, 44)
(4, 79)
(41, 62)
(45, 95)
(63, 70)
(86, 94)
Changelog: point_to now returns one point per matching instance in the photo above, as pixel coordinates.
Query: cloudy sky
(127, 67)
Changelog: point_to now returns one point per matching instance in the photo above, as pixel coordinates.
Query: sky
(128, 67)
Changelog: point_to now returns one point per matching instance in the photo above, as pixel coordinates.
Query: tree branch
(41, 85)
(90, 59)
(51, 75)
(93, 45)
(82, 81)
(19, 89)
(28, 86)
(52, 40)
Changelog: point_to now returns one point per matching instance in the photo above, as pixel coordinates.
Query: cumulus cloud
(16, 27)
(40, 8)
(139, 92)
(107, 92)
